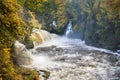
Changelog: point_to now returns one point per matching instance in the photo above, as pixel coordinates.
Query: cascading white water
(69, 63)
(54, 23)
(22, 54)
(39, 36)
(71, 59)
(69, 30)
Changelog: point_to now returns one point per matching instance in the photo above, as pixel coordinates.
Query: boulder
(21, 55)
(28, 42)
(44, 73)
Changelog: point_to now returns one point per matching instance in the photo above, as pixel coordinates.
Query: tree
(11, 28)
(114, 20)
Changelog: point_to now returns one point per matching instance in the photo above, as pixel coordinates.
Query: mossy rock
(28, 42)
(27, 74)
(44, 73)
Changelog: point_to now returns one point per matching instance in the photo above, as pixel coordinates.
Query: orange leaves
(0, 76)
(113, 4)
(114, 8)
(7, 49)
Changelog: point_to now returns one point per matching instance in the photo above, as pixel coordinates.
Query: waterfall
(23, 56)
(71, 57)
(39, 36)
(69, 30)
(54, 24)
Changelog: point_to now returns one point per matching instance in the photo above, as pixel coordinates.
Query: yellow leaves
(45, 0)
(33, 21)
(0, 76)
(1, 16)
(11, 25)
(62, 21)
(11, 28)
(61, 16)
(59, 1)
(7, 49)
(11, 5)
(5, 55)
(6, 65)
(114, 9)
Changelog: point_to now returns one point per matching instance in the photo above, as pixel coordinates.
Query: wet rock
(48, 49)
(44, 73)
(53, 46)
(40, 49)
(21, 55)
(59, 49)
(28, 42)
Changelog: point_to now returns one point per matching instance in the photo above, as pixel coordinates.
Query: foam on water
(63, 42)
(69, 66)
(102, 50)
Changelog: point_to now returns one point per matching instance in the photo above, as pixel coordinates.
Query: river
(71, 59)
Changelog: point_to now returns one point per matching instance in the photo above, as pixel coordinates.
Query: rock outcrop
(21, 55)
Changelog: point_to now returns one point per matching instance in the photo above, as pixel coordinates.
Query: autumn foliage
(11, 28)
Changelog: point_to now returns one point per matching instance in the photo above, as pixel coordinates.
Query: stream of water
(71, 59)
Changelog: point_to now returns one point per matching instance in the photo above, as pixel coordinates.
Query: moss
(10, 71)
(11, 29)
(27, 74)
(28, 42)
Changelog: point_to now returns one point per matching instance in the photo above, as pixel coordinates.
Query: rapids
(71, 59)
